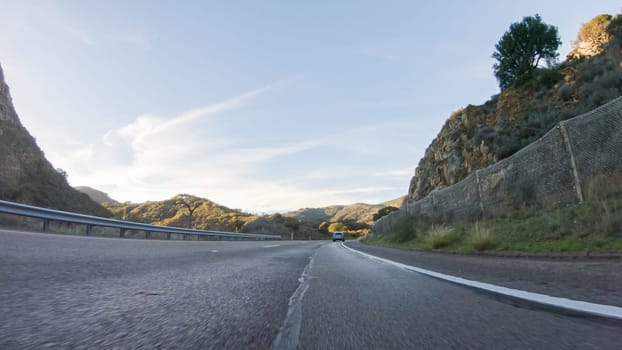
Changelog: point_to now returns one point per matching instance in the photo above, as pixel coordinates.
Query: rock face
(25, 175)
(593, 37)
(477, 136)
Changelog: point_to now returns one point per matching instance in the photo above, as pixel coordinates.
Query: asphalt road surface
(87, 293)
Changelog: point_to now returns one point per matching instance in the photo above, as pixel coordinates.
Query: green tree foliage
(355, 225)
(291, 223)
(278, 218)
(383, 212)
(237, 221)
(522, 49)
(337, 227)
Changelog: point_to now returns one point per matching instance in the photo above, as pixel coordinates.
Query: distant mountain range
(212, 216)
(359, 212)
(96, 195)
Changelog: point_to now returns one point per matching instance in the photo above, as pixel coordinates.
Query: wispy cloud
(400, 173)
(155, 157)
(77, 33)
(45, 21)
(148, 126)
(360, 190)
(140, 39)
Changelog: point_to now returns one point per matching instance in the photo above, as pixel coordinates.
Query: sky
(264, 106)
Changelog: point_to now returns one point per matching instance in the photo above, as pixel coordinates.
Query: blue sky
(259, 105)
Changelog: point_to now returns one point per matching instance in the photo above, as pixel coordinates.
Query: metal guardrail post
(168, 236)
(147, 234)
(88, 230)
(46, 224)
(122, 233)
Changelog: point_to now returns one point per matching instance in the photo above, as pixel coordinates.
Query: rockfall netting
(596, 141)
(580, 159)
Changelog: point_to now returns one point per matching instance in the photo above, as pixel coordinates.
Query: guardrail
(48, 215)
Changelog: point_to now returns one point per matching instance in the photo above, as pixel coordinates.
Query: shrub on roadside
(440, 236)
(610, 223)
(482, 238)
(404, 229)
(408, 228)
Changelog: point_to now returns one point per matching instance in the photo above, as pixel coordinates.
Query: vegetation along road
(84, 292)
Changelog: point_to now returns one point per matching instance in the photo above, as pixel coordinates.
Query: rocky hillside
(477, 136)
(359, 212)
(26, 176)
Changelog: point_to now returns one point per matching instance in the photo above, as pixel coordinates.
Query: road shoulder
(595, 281)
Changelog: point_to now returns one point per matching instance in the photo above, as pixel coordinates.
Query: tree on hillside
(323, 227)
(190, 203)
(383, 212)
(592, 37)
(337, 227)
(278, 218)
(355, 225)
(523, 48)
(291, 223)
(238, 222)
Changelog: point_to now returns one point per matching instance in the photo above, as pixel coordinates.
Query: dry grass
(482, 238)
(440, 236)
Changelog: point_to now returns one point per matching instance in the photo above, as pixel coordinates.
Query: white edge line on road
(272, 246)
(569, 304)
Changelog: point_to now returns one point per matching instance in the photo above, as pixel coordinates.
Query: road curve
(80, 292)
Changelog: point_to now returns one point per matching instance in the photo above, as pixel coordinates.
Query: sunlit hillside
(477, 136)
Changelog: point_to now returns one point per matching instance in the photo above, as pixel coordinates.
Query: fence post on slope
(573, 164)
(479, 193)
(435, 213)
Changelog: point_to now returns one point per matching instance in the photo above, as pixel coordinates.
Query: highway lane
(80, 292)
(354, 302)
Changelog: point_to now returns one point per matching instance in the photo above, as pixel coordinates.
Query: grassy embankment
(593, 226)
